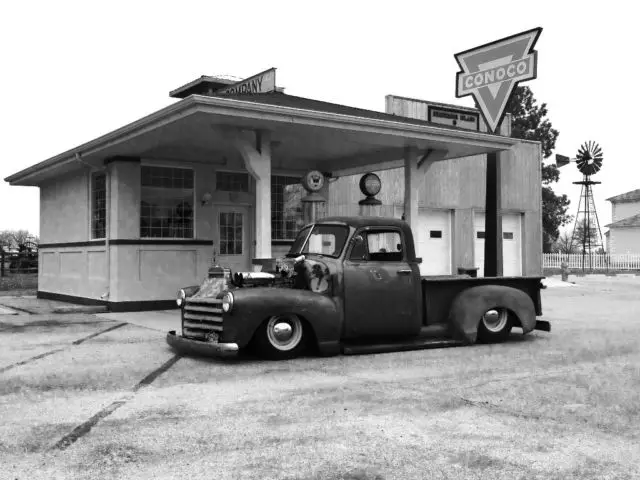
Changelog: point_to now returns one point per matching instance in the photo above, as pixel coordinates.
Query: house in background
(624, 230)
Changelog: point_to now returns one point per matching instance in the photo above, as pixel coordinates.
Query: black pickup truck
(352, 285)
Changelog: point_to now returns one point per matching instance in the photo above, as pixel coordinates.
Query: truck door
(380, 294)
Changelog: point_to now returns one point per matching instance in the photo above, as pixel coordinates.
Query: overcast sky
(72, 71)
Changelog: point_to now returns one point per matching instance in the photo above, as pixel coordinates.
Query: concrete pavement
(7, 311)
(161, 320)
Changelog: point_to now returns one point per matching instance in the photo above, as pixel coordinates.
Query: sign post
(490, 73)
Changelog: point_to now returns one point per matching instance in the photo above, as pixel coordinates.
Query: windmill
(586, 230)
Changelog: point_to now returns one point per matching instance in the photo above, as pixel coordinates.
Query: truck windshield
(326, 240)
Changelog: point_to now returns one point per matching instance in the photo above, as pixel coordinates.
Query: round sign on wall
(313, 181)
(370, 184)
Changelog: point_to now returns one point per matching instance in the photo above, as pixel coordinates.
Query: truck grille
(201, 318)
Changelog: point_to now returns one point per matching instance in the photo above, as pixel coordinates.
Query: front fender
(252, 306)
(470, 304)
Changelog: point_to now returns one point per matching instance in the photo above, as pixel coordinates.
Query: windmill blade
(589, 158)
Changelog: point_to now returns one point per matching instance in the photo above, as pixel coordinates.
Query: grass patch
(475, 461)
(111, 457)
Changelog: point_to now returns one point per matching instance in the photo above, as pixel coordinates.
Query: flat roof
(202, 84)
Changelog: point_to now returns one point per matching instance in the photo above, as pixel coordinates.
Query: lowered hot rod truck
(351, 285)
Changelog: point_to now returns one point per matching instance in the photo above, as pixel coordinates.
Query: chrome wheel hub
(495, 320)
(282, 331)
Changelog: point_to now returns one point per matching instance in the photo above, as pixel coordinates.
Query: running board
(401, 346)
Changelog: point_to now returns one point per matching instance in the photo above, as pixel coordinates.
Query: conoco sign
(491, 72)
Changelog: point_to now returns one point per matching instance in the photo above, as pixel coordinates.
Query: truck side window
(383, 246)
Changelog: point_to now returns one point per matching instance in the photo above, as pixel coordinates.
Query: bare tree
(6, 239)
(565, 243)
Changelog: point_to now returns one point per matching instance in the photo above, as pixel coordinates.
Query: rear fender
(470, 304)
(252, 306)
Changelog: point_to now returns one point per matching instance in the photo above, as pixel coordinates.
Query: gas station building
(128, 218)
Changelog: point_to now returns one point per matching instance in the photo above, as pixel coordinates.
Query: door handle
(404, 271)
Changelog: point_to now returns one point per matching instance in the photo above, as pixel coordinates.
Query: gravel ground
(564, 405)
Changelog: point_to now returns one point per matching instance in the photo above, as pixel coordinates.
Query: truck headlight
(227, 302)
(181, 296)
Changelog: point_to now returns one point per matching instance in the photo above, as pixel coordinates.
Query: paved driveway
(84, 396)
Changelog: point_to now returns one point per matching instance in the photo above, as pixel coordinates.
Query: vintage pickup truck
(352, 285)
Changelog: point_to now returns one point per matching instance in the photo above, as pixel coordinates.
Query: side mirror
(358, 240)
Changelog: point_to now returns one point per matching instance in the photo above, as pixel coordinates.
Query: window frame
(283, 241)
(245, 251)
(194, 200)
(381, 229)
(92, 204)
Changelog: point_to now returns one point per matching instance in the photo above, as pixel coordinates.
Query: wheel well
(513, 318)
(306, 325)
(308, 328)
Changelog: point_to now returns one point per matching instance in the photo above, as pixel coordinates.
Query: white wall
(64, 211)
(624, 240)
(624, 210)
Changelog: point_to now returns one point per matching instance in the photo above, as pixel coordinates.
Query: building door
(511, 244)
(233, 237)
(433, 241)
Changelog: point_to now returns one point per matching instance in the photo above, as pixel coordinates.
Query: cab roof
(363, 221)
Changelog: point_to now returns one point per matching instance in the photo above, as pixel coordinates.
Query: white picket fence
(594, 261)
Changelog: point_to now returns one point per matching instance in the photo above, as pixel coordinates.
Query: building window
(232, 182)
(166, 207)
(286, 207)
(98, 205)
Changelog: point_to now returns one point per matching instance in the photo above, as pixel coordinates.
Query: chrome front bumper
(198, 347)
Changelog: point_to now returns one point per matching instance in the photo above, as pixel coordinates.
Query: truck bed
(440, 291)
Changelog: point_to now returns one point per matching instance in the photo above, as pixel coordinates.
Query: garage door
(511, 244)
(433, 241)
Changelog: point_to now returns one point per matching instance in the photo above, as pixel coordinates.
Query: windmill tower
(586, 230)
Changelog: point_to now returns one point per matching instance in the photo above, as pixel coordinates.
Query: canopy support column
(493, 218)
(257, 160)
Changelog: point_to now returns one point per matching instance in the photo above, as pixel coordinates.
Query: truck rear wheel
(282, 337)
(495, 325)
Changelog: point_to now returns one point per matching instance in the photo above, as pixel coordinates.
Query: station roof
(308, 133)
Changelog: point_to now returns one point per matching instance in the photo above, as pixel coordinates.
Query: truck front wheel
(495, 326)
(281, 337)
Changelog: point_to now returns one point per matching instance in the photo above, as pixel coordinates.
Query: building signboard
(453, 117)
(491, 72)
(263, 82)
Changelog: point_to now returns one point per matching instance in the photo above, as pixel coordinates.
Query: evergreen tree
(529, 122)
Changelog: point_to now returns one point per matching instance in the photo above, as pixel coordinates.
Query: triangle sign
(491, 72)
